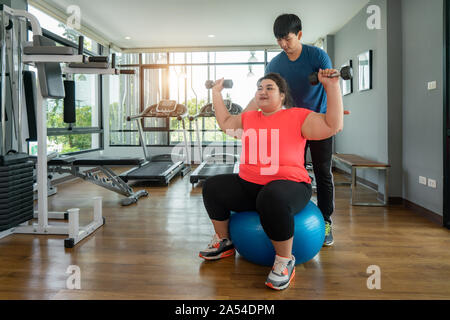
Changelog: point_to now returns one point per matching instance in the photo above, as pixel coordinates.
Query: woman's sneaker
(328, 235)
(283, 271)
(218, 249)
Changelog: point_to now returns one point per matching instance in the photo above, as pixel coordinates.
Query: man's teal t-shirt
(296, 74)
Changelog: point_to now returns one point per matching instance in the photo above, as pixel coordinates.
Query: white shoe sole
(328, 244)
(270, 285)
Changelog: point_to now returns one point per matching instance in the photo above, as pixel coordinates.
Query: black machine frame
(446, 115)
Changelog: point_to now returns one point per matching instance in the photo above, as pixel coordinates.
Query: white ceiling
(187, 23)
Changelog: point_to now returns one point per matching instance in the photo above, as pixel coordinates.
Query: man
(295, 64)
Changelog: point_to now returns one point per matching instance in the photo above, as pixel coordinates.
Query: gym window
(179, 76)
(86, 134)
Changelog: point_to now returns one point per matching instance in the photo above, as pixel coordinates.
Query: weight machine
(46, 57)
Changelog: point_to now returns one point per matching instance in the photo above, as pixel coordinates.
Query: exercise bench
(357, 162)
(111, 181)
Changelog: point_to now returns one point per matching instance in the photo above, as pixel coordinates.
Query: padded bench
(111, 181)
(357, 162)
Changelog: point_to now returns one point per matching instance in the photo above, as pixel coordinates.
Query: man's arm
(324, 60)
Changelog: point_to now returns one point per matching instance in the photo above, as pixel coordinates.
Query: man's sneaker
(217, 249)
(328, 235)
(283, 271)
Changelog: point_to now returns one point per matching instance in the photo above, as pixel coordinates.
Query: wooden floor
(150, 251)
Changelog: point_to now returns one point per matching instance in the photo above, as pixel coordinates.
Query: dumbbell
(226, 84)
(346, 73)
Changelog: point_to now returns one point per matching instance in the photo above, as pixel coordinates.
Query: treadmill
(159, 168)
(216, 163)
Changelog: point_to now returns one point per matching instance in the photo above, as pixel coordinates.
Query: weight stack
(16, 194)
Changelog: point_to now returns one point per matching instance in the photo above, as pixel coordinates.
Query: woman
(272, 180)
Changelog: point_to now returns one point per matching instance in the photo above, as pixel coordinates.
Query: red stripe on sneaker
(270, 285)
(227, 253)
(222, 255)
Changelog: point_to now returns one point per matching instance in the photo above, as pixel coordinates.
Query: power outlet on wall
(432, 85)
(432, 183)
(423, 180)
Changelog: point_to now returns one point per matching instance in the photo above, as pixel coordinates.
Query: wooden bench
(357, 162)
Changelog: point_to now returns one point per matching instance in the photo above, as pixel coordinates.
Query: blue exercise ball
(252, 243)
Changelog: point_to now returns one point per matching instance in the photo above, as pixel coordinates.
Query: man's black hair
(285, 24)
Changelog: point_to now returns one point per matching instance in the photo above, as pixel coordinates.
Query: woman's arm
(227, 122)
(252, 106)
(322, 126)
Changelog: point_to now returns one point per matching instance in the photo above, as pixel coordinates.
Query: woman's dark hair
(285, 24)
(282, 86)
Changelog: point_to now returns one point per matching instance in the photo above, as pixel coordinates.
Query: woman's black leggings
(276, 202)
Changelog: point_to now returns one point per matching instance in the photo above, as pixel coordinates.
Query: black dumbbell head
(314, 79)
(209, 84)
(347, 73)
(228, 84)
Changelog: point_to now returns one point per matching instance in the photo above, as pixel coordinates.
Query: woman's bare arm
(229, 123)
(322, 126)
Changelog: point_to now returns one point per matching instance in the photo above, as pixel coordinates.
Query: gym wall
(366, 129)
(423, 34)
(399, 121)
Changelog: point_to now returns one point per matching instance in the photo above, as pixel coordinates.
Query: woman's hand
(326, 80)
(218, 86)
(227, 122)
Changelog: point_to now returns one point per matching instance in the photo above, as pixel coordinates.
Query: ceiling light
(211, 36)
(252, 58)
(127, 38)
